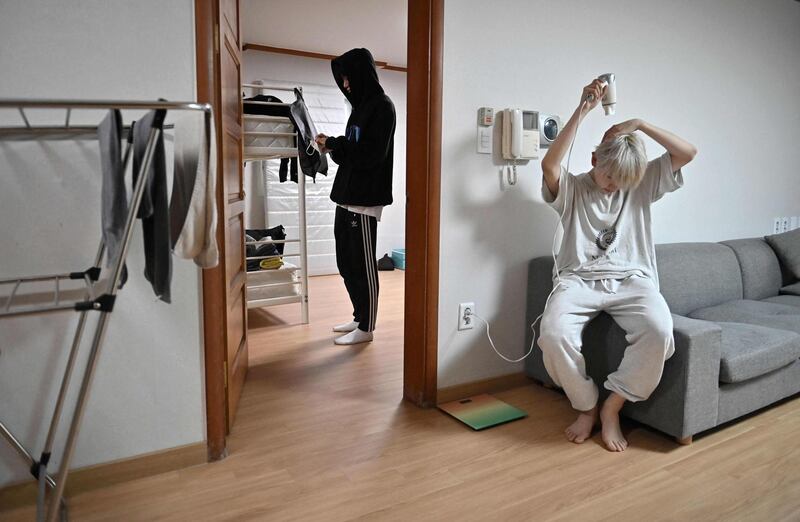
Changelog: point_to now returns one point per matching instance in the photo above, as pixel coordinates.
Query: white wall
(148, 391)
(723, 74)
(310, 72)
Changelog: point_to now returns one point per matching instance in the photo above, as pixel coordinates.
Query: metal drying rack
(98, 295)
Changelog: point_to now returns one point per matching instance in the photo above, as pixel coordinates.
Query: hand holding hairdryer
(605, 88)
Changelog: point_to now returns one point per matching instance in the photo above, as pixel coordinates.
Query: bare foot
(581, 429)
(609, 417)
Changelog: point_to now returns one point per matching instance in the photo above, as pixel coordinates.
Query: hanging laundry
(114, 199)
(154, 209)
(192, 206)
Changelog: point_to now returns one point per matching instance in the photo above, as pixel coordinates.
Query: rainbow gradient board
(482, 411)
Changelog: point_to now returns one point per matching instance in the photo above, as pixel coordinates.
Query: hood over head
(359, 67)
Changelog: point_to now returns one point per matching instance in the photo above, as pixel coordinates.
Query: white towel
(193, 208)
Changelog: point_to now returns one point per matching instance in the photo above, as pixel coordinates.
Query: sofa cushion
(750, 351)
(760, 313)
(696, 275)
(787, 246)
(792, 300)
(791, 289)
(761, 272)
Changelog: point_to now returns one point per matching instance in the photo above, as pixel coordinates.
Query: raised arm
(551, 163)
(680, 151)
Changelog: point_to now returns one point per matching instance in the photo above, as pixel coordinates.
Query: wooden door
(224, 307)
(230, 117)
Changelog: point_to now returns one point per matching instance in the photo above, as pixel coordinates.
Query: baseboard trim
(98, 476)
(492, 385)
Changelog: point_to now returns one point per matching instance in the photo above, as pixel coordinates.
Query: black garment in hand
(311, 161)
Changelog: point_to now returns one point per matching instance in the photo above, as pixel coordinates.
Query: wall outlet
(465, 321)
(784, 224)
(776, 226)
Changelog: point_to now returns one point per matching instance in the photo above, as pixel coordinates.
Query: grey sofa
(736, 315)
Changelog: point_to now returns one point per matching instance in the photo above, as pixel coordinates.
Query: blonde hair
(624, 158)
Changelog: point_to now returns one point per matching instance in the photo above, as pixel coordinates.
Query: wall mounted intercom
(520, 134)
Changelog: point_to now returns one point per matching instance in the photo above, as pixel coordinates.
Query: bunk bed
(268, 137)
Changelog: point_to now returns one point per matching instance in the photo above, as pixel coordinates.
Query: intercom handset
(520, 134)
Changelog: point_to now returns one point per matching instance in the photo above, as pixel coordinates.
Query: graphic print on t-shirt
(605, 238)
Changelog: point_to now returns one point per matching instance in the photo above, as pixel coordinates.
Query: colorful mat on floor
(482, 411)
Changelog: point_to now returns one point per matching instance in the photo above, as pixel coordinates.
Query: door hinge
(216, 38)
(225, 369)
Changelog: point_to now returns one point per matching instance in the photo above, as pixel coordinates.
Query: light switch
(485, 140)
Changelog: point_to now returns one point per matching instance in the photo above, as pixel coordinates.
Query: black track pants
(355, 258)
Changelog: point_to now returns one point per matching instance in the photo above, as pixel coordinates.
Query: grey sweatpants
(637, 306)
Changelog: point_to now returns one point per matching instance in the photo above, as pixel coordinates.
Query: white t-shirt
(375, 212)
(608, 236)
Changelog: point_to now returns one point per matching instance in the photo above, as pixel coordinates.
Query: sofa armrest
(686, 400)
(540, 284)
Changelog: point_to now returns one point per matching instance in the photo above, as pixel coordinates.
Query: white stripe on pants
(372, 271)
(637, 306)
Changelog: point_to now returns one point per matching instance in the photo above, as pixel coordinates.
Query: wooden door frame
(423, 180)
(206, 15)
(423, 173)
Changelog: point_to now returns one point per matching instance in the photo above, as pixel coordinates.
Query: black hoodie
(366, 151)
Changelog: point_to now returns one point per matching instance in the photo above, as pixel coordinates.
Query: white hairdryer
(610, 97)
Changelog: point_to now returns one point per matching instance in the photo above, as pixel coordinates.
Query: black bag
(385, 263)
(268, 249)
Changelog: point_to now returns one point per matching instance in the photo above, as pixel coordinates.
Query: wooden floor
(322, 434)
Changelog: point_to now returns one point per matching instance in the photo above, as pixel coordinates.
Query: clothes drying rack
(276, 148)
(98, 293)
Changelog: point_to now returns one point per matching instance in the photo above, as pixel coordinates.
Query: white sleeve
(565, 187)
(660, 179)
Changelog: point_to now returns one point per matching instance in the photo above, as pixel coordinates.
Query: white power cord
(469, 313)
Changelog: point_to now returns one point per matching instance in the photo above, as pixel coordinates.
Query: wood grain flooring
(322, 434)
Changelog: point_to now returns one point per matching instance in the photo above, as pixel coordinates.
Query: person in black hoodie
(362, 187)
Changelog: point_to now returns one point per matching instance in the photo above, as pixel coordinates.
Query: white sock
(346, 327)
(357, 336)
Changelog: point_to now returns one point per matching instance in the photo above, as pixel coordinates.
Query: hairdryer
(610, 97)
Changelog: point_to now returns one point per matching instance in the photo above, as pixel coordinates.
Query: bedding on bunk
(259, 283)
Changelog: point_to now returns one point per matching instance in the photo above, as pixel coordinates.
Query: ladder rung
(269, 133)
(271, 241)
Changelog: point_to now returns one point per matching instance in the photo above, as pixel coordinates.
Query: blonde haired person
(606, 263)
